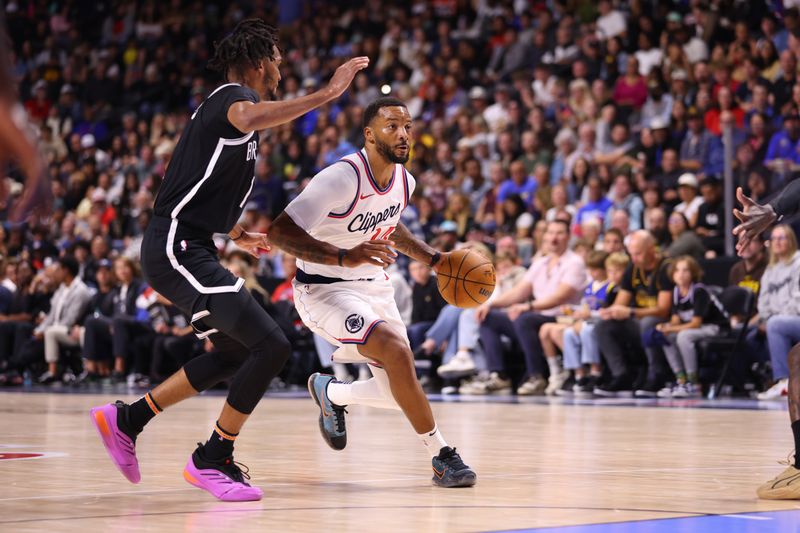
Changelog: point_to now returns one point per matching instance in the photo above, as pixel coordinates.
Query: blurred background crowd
(578, 143)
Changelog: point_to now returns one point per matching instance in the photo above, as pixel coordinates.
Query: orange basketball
(465, 278)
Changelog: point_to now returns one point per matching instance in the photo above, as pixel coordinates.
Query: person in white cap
(690, 200)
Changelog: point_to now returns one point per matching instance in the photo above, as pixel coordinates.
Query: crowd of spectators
(579, 140)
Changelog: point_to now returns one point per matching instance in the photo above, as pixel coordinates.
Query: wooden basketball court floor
(541, 464)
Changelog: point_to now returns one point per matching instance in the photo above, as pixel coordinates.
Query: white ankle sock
(366, 392)
(433, 441)
(555, 366)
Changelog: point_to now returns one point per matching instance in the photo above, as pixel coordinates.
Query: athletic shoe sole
(219, 485)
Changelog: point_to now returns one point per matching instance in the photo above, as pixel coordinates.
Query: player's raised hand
(755, 219)
(253, 243)
(344, 75)
(377, 252)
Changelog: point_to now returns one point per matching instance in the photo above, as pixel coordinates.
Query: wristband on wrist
(435, 259)
(342, 254)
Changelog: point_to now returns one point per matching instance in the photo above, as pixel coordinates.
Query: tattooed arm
(406, 243)
(291, 238)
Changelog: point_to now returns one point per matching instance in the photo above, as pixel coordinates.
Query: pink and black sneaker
(225, 479)
(121, 447)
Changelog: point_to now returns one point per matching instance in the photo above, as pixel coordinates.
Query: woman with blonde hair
(778, 315)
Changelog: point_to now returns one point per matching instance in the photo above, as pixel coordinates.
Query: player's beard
(388, 153)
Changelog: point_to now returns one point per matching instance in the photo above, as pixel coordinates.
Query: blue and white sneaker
(450, 471)
(331, 416)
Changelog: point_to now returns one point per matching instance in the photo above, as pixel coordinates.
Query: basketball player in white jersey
(342, 229)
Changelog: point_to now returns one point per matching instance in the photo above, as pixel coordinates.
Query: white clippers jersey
(342, 205)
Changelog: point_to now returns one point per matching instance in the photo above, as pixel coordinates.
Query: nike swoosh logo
(364, 197)
(440, 475)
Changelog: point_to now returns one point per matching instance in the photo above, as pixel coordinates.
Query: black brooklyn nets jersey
(212, 171)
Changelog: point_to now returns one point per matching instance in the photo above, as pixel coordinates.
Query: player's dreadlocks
(251, 42)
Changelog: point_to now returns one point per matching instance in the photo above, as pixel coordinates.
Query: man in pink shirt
(556, 277)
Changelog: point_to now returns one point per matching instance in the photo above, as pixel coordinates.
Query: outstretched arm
(247, 116)
(16, 145)
(406, 243)
(288, 236)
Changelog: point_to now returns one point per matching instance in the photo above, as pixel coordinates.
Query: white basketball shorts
(346, 312)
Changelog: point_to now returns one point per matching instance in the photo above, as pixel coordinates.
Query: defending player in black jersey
(755, 219)
(204, 191)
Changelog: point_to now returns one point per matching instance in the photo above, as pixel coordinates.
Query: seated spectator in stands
(613, 150)
(459, 211)
(101, 346)
(581, 347)
(597, 205)
(541, 201)
(9, 280)
(427, 302)
(779, 303)
(429, 219)
(644, 300)
(559, 199)
(620, 221)
(714, 165)
(695, 145)
(623, 197)
(758, 183)
(684, 240)
(784, 147)
(553, 336)
(555, 278)
(668, 176)
(690, 200)
(710, 224)
(725, 102)
(519, 183)
(30, 300)
(174, 345)
(66, 308)
(658, 105)
(590, 232)
(748, 271)
(696, 313)
(630, 90)
(100, 304)
(614, 242)
(759, 137)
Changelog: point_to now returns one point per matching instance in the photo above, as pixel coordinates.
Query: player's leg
(242, 325)
(786, 485)
(397, 376)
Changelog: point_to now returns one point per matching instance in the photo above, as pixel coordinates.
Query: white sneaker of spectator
(666, 392)
(459, 366)
(494, 384)
(686, 390)
(776, 392)
(535, 386)
(468, 385)
(47, 378)
(555, 382)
